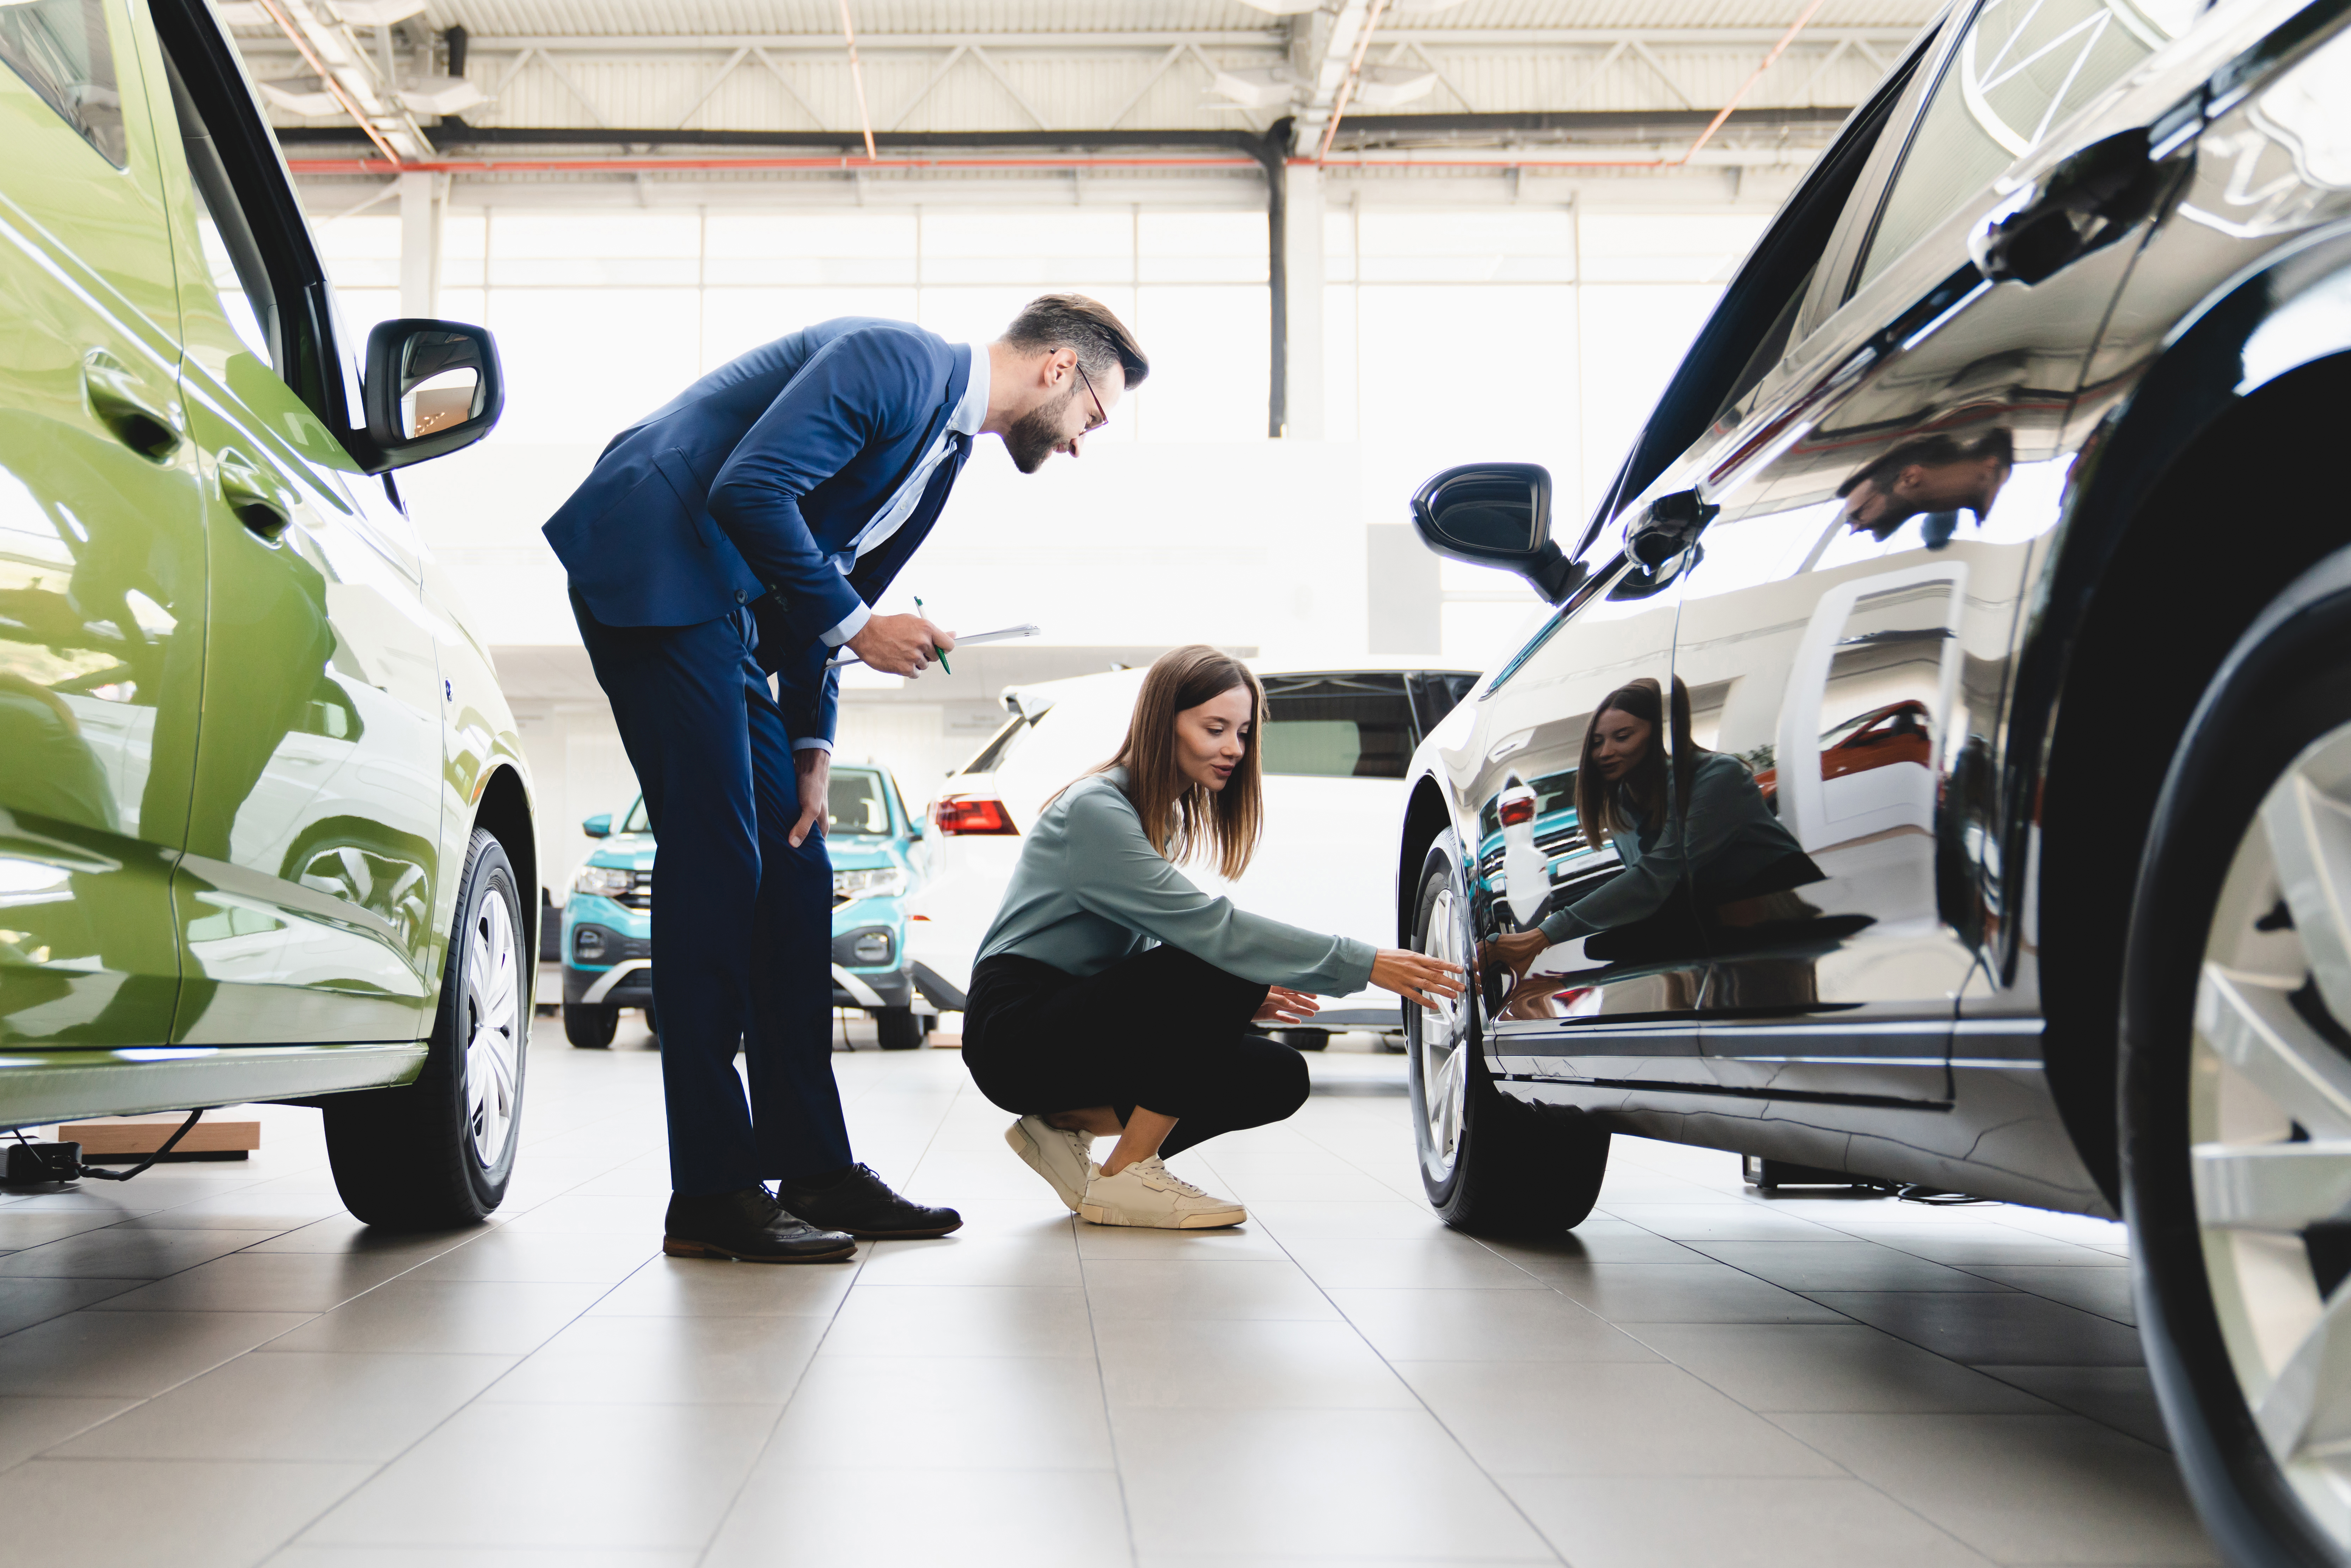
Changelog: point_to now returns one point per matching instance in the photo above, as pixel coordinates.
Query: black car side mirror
(1496, 514)
(431, 388)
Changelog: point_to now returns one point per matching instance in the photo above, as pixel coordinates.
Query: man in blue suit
(744, 530)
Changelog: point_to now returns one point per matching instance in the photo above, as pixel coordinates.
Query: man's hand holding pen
(901, 644)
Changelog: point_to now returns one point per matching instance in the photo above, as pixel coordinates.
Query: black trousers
(1164, 1031)
(743, 928)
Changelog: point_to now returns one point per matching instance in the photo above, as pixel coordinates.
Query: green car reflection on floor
(880, 853)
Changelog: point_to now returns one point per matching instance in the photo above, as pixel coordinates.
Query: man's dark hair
(1932, 452)
(1084, 326)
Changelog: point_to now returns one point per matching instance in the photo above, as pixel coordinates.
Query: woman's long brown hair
(1181, 819)
(1596, 809)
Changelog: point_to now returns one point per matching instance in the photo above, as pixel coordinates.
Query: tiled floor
(213, 1365)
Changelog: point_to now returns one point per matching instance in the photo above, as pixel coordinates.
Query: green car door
(102, 563)
(306, 888)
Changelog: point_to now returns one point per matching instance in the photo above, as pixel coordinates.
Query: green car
(264, 822)
(880, 853)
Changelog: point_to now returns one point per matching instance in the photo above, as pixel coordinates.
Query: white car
(1337, 741)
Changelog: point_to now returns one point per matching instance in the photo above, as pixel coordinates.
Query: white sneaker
(1145, 1193)
(1061, 1156)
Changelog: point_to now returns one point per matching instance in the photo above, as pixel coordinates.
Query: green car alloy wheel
(439, 1152)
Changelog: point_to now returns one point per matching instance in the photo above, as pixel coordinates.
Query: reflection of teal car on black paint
(1530, 849)
(879, 855)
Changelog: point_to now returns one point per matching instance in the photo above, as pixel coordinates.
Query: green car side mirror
(598, 826)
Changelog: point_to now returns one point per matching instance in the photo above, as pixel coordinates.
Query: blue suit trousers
(742, 921)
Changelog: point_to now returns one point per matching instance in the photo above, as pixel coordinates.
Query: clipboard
(1002, 635)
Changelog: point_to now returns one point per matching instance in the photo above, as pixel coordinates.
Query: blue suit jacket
(748, 487)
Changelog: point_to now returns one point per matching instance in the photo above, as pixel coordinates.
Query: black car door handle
(2084, 202)
(114, 397)
(251, 496)
(1672, 523)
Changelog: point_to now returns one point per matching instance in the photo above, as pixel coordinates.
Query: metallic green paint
(243, 725)
(102, 588)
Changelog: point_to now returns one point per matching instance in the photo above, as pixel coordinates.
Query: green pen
(941, 657)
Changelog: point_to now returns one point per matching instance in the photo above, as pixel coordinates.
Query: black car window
(2020, 70)
(1774, 275)
(637, 821)
(61, 49)
(1000, 744)
(1337, 726)
(237, 166)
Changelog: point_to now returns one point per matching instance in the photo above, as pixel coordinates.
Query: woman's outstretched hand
(1513, 950)
(1283, 1004)
(1416, 976)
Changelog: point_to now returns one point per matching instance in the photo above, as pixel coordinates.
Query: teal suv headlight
(603, 881)
(883, 882)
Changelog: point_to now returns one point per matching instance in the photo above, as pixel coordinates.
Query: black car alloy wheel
(2236, 1087)
(439, 1152)
(1491, 1165)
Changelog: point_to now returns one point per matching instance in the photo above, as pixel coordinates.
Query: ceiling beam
(1015, 43)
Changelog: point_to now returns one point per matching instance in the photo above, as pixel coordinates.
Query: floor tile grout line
(1852, 1321)
(857, 1270)
(313, 1317)
(1101, 1383)
(382, 1465)
(1463, 1449)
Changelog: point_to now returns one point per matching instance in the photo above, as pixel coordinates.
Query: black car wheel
(898, 1029)
(590, 1025)
(2236, 1087)
(1305, 1039)
(1491, 1165)
(438, 1153)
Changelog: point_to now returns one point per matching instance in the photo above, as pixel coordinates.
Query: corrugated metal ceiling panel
(879, 18)
(638, 19)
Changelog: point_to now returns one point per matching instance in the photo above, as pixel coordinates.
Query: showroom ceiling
(727, 90)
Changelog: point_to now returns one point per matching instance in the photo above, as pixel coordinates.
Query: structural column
(423, 197)
(1302, 300)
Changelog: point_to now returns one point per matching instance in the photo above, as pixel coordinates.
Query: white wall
(1536, 332)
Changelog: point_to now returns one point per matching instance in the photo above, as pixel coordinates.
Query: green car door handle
(115, 397)
(251, 495)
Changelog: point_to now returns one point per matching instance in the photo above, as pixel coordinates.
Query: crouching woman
(1112, 998)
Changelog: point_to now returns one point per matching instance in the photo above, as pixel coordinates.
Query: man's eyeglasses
(1100, 418)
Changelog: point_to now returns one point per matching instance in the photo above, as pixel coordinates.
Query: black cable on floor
(91, 1173)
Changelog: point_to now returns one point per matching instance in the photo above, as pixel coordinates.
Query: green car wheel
(438, 1153)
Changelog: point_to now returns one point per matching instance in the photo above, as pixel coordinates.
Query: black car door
(1884, 497)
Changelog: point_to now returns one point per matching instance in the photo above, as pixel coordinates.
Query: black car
(1994, 831)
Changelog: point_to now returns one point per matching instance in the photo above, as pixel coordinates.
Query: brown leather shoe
(748, 1225)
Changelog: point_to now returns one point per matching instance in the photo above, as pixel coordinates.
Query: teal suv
(879, 855)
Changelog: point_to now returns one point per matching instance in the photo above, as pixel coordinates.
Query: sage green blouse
(1090, 891)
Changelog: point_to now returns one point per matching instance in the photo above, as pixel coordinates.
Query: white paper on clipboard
(1002, 635)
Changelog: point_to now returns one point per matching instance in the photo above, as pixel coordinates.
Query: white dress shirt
(966, 418)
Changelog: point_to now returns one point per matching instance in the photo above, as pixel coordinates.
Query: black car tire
(653, 1026)
(1491, 1164)
(2285, 688)
(1305, 1039)
(897, 1029)
(438, 1153)
(590, 1025)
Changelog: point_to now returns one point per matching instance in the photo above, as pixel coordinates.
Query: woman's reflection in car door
(1621, 1000)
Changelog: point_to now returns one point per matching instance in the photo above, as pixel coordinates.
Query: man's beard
(1034, 435)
